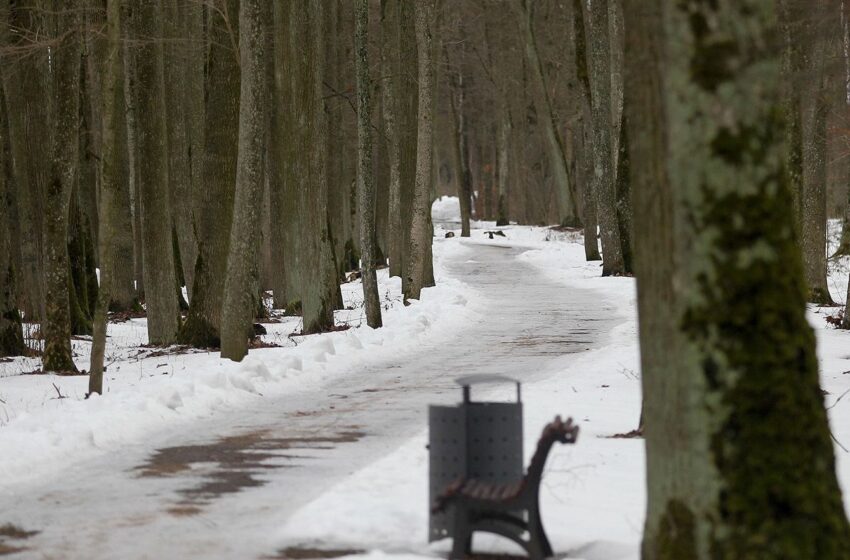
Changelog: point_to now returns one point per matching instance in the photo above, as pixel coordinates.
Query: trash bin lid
(482, 379)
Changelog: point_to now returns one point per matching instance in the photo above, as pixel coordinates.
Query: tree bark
(11, 330)
(814, 184)
(564, 186)
(603, 175)
(738, 276)
(111, 193)
(421, 231)
(365, 179)
(25, 89)
(63, 168)
(215, 204)
(157, 247)
(240, 286)
(178, 53)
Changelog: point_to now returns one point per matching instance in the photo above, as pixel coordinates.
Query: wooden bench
(502, 508)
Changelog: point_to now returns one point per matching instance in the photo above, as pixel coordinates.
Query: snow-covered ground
(58, 455)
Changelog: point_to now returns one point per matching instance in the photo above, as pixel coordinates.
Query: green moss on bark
(770, 445)
(676, 536)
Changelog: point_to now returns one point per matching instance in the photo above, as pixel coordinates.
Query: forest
(310, 200)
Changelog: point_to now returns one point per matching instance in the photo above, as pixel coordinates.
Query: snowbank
(446, 209)
(46, 423)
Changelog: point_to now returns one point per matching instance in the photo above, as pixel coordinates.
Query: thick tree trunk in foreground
(564, 187)
(365, 179)
(603, 175)
(735, 279)
(159, 272)
(421, 231)
(215, 205)
(240, 286)
(111, 193)
(63, 168)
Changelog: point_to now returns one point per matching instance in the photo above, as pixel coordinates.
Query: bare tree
(365, 182)
(420, 271)
(111, 193)
(157, 247)
(240, 286)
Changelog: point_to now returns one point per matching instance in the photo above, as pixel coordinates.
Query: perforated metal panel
(447, 460)
(474, 439)
(494, 435)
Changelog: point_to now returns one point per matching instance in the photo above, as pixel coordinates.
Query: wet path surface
(221, 488)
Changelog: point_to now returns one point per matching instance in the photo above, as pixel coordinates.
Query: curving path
(220, 488)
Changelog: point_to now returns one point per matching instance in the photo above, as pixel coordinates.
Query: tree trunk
(133, 164)
(813, 199)
(63, 168)
(215, 205)
(240, 289)
(505, 126)
(157, 246)
(365, 179)
(421, 231)
(564, 187)
(584, 159)
(318, 295)
(711, 469)
(603, 174)
(111, 193)
(178, 53)
(26, 91)
(11, 330)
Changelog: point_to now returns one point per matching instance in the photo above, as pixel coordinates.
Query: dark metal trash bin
(474, 439)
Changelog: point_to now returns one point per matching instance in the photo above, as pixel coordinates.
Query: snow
(49, 423)
(376, 501)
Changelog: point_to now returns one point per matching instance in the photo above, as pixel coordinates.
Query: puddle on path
(231, 464)
(11, 537)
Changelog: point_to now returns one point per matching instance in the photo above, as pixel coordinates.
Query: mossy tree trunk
(240, 285)
(365, 176)
(421, 231)
(215, 204)
(157, 247)
(724, 418)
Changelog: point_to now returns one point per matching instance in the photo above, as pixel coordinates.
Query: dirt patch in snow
(11, 532)
(298, 553)
(230, 464)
